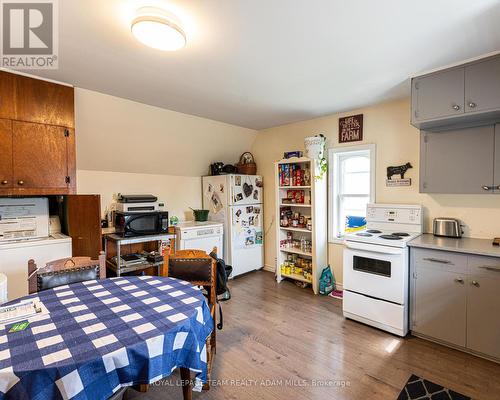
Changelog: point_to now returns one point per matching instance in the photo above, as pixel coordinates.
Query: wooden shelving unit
(314, 210)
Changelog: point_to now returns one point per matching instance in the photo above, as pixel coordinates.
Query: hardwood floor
(282, 342)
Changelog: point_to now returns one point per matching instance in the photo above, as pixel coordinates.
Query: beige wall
(386, 125)
(129, 147)
(178, 192)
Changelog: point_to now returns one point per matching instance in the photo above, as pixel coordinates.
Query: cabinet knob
(5, 182)
(456, 107)
(459, 280)
(20, 183)
(488, 187)
(475, 283)
(472, 105)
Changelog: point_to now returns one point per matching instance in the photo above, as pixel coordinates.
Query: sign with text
(29, 34)
(351, 128)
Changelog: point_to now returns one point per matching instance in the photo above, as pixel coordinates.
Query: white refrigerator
(236, 201)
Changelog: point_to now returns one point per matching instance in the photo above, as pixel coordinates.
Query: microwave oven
(24, 218)
(141, 223)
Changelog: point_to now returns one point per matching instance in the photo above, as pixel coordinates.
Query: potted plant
(316, 149)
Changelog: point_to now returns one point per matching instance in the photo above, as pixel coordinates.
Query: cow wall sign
(351, 128)
(398, 170)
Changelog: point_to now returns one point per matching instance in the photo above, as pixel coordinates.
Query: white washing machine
(200, 236)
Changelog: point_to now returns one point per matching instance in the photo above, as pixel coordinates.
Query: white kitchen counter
(464, 245)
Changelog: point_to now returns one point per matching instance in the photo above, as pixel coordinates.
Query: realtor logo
(29, 34)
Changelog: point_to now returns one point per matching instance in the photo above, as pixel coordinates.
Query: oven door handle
(373, 248)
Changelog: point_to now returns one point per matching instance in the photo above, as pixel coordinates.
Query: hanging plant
(316, 149)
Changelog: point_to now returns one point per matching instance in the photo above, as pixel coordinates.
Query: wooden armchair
(198, 268)
(65, 271)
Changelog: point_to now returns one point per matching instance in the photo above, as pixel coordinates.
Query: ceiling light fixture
(158, 29)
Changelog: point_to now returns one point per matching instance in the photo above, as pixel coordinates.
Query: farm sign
(351, 128)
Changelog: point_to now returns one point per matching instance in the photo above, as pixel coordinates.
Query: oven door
(376, 271)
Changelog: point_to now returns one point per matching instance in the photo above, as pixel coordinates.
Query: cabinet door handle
(490, 268)
(437, 260)
(488, 187)
(472, 105)
(459, 280)
(5, 182)
(498, 187)
(475, 283)
(20, 183)
(456, 107)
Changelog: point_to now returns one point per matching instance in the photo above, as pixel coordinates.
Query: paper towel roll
(3, 289)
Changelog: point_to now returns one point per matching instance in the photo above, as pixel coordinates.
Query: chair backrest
(194, 266)
(65, 271)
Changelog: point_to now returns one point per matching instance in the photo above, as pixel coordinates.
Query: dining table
(98, 336)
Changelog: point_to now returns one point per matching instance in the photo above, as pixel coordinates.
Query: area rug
(421, 389)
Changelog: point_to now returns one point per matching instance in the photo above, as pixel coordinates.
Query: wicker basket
(246, 168)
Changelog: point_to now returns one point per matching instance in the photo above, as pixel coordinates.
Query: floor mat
(421, 389)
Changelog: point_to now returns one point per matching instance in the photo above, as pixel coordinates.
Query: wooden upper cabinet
(482, 86)
(7, 95)
(37, 137)
(44, 102)
(6, 174)
(40, 158)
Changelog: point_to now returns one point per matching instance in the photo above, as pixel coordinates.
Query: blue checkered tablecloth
(102, 335)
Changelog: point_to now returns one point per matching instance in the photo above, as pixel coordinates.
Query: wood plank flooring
(282, 342)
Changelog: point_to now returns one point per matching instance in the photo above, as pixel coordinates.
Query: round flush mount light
(158, 29)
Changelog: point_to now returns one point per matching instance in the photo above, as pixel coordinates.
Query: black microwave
(141, 223)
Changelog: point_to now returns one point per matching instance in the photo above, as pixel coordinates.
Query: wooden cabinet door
(458, 161)
(44, 102)
(6, 174)
(438, 95)
(40, 156)
(482, 86)
(440, 305)
(7, 95)
(82, 221)
(483, 305)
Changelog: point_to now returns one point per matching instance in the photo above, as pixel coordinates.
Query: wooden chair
(65, 271)
(198, 268)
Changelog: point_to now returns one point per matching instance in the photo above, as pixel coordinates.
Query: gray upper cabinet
(482, 86)
(496, 172)
(458, 97)
(458, 161)
(438, 95)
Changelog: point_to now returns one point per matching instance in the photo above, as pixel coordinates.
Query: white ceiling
(262, 63)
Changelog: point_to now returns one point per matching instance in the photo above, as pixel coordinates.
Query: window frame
(334, 154)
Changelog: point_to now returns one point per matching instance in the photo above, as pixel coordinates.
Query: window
(351, 186)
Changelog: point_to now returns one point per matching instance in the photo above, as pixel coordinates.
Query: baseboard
(339, 286)
(269, 268)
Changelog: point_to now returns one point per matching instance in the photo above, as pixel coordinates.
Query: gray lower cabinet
(483, 305)
(455, 299)
(436, 315)
(458, 161)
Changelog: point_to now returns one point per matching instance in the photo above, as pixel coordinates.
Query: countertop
(465, 245)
